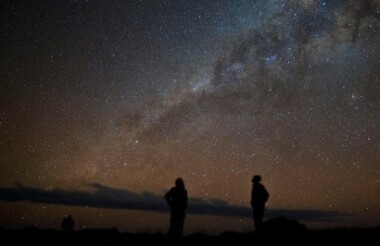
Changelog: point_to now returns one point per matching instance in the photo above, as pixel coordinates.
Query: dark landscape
(114, 237)
(196, 121)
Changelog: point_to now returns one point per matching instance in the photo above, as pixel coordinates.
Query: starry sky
(103, 104)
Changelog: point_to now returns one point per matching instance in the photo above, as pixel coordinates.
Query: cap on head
(256, 179)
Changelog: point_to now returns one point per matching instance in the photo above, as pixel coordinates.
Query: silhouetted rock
(283, 225)
(67, 223)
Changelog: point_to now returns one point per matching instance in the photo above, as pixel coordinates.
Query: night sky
(103, 104)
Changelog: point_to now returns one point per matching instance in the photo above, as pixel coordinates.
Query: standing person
(177, 200)
(259, 198)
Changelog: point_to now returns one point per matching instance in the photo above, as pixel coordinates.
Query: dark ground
(33, 236)
(277, 230)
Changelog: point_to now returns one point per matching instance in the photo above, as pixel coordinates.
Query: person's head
(179, 183)
(256, 179)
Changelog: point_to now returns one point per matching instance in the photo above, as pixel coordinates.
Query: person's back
(177, 200)
(259, 198)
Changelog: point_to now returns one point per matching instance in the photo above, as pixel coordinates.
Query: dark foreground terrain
(276, 230)
(32, 236)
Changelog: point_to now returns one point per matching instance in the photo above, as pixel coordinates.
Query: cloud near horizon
(108, 197)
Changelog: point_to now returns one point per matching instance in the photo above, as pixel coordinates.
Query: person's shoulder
(261, 185)
(171, 190)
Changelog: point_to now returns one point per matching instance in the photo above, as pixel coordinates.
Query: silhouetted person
(259, 198)
(67, 223)
(177, 200)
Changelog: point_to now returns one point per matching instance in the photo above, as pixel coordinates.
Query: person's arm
(168, 197)
(186, 199)
(252, 197)
(266, 194)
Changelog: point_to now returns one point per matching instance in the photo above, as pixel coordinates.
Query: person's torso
(259, 194)
(179, 199)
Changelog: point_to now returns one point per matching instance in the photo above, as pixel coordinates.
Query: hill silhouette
(108, 197)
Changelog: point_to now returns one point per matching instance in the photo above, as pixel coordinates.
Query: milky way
(133, 95)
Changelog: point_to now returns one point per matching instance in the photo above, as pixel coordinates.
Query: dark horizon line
(111, 198)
